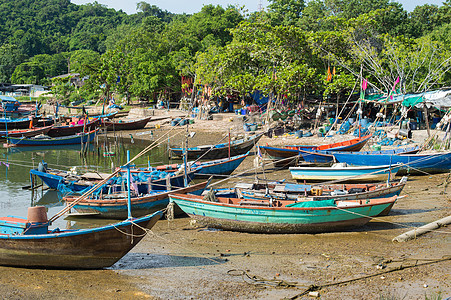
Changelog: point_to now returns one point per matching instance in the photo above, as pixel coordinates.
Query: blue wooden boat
(11, 107)
(276, 217)
(224, 166)
(343, 172)
(218, 151)
(114, 206)
(418, 163)
(22, 123)
(30, 243)
(66, 181)
(81, 138)
(320, 156)
(283, 154)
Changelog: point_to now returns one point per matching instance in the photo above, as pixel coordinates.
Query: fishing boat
(11, 107)
(72, 129)
(22, 123)
(282, 154)
(71, 181)
(25, 132)
(30, 243)
(421, 163)
(276, 217)
(43, 140)
(321, 156)
(305, 192)
(126, 124)
(218, 151)
(114, 205)
(223, 166)
(344, 173)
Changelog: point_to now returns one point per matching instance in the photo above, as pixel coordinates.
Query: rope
(99, 184)
(130, 234)
(318, 287)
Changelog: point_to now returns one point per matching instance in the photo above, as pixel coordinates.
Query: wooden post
(229, 143)
(426, 118)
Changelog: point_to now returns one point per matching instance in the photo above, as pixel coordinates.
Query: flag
(364, 84)
(393, 89)
(329, 74)
(333, 72)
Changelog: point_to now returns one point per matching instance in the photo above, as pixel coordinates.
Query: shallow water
(16, 164)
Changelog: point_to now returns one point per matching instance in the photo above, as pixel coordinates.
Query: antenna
(260, 6)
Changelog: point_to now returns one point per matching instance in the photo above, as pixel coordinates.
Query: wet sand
(181, 261)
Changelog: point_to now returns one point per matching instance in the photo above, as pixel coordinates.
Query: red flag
(329, 75)
(396, 82)
(393, 89)
(364, 84)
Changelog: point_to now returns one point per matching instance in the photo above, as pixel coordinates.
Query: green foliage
(10, 57)
(285, 12)
(283, 51)
(62, 89)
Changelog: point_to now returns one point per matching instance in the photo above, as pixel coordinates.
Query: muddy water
(182, 261)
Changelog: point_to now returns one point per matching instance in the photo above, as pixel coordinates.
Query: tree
(285, 12)
(62, 89)
(272, 59)
(10, 57)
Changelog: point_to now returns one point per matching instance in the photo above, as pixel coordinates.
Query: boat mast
(129, 204)
(185, 157)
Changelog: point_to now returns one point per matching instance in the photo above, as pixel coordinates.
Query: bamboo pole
(99, 184)
(422, 230)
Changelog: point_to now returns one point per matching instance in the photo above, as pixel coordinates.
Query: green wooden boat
(266, 216)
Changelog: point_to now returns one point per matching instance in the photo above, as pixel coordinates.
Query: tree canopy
(288, 49)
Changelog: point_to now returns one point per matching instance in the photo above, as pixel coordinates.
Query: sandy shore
(181, 261)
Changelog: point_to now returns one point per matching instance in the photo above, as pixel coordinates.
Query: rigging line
(342, 109)
(382, 220)
(209, 149)
(91, 190)
(318, 287)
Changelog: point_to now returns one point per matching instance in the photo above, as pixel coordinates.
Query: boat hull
(25, 132)
(67, 140)
(78, 249)
(218, 151)
(128, 125)
(320, 156)
(418, 164)
(53, 181)
(117, 208)
(345, 174)
(23, 123)
(282, 155)
(220, 167)
(58, 131)
(277, 219)
(383, 192)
